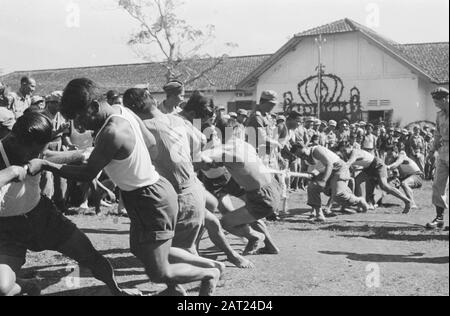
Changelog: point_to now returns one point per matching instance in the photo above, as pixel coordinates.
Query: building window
(244, 94)
(378, 103)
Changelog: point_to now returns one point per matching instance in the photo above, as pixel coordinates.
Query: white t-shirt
(19, 198)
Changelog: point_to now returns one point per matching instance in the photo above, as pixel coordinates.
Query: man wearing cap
(362, 126)
(22, 99)
(309, 127)
(297, 133)
(174, 90)
(239, 129)
(416, 147)
(37, 103)
(441, 145)
(331, 134)
(344, 131)
(260, 123)
(233, 119)
(7, 118)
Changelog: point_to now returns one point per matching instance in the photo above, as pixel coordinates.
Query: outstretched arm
(68, 157)
(11, 174)
(398, 163)
(108, 145)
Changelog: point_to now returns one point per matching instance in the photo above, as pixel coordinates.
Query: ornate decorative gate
(332, 107)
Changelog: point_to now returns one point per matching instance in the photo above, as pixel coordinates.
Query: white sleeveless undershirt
(136, 171)
(19, 198)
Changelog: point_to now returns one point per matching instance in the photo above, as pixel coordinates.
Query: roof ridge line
(424, 43)
(129, 64)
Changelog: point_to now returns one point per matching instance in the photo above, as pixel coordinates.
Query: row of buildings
(393, 81)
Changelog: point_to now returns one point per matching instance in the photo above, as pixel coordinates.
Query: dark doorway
(380, 116)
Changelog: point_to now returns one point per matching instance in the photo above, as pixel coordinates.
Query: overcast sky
(36, 35)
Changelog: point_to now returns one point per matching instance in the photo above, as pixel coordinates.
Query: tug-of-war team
(173, 166)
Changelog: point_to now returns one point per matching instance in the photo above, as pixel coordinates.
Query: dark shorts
(414, 181)
(223, 186)
(265, 201)
(153, 214)
(191, 216)
(377, 170)
(44, 228)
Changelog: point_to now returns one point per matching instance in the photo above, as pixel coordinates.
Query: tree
(179, 44)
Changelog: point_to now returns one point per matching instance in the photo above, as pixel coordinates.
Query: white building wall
(359, 63)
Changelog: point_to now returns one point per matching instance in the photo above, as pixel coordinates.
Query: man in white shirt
(31, 222)
(122, 150)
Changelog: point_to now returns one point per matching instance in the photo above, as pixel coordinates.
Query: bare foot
(408, 208)
(253, 245)
(241, 262)
(130, 292)
(208, 287)
(363, 206)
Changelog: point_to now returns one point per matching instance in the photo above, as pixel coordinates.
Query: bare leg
(178, 255)
(80, 249)
(218, 238)
(155, 258)
(238, 223)
(409, 192)
(386, 187)
(270, 248)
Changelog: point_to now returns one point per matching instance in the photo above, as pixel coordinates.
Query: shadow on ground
(383, 258)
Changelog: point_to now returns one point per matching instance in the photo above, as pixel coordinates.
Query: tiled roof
(432, 57)
(429, 59)
(121, 77)
(341, 26)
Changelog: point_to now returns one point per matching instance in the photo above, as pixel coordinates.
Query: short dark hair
(200, 105)
(77, 97)
(135, 98)
(25, 79)
(297, 146)
(33, 128)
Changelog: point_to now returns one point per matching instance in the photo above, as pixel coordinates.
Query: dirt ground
(381, 253)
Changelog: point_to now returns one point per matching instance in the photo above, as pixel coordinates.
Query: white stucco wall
(359, 63)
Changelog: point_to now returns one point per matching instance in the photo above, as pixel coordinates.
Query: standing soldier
(441, 145)
(417, 148)
(331, 135)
